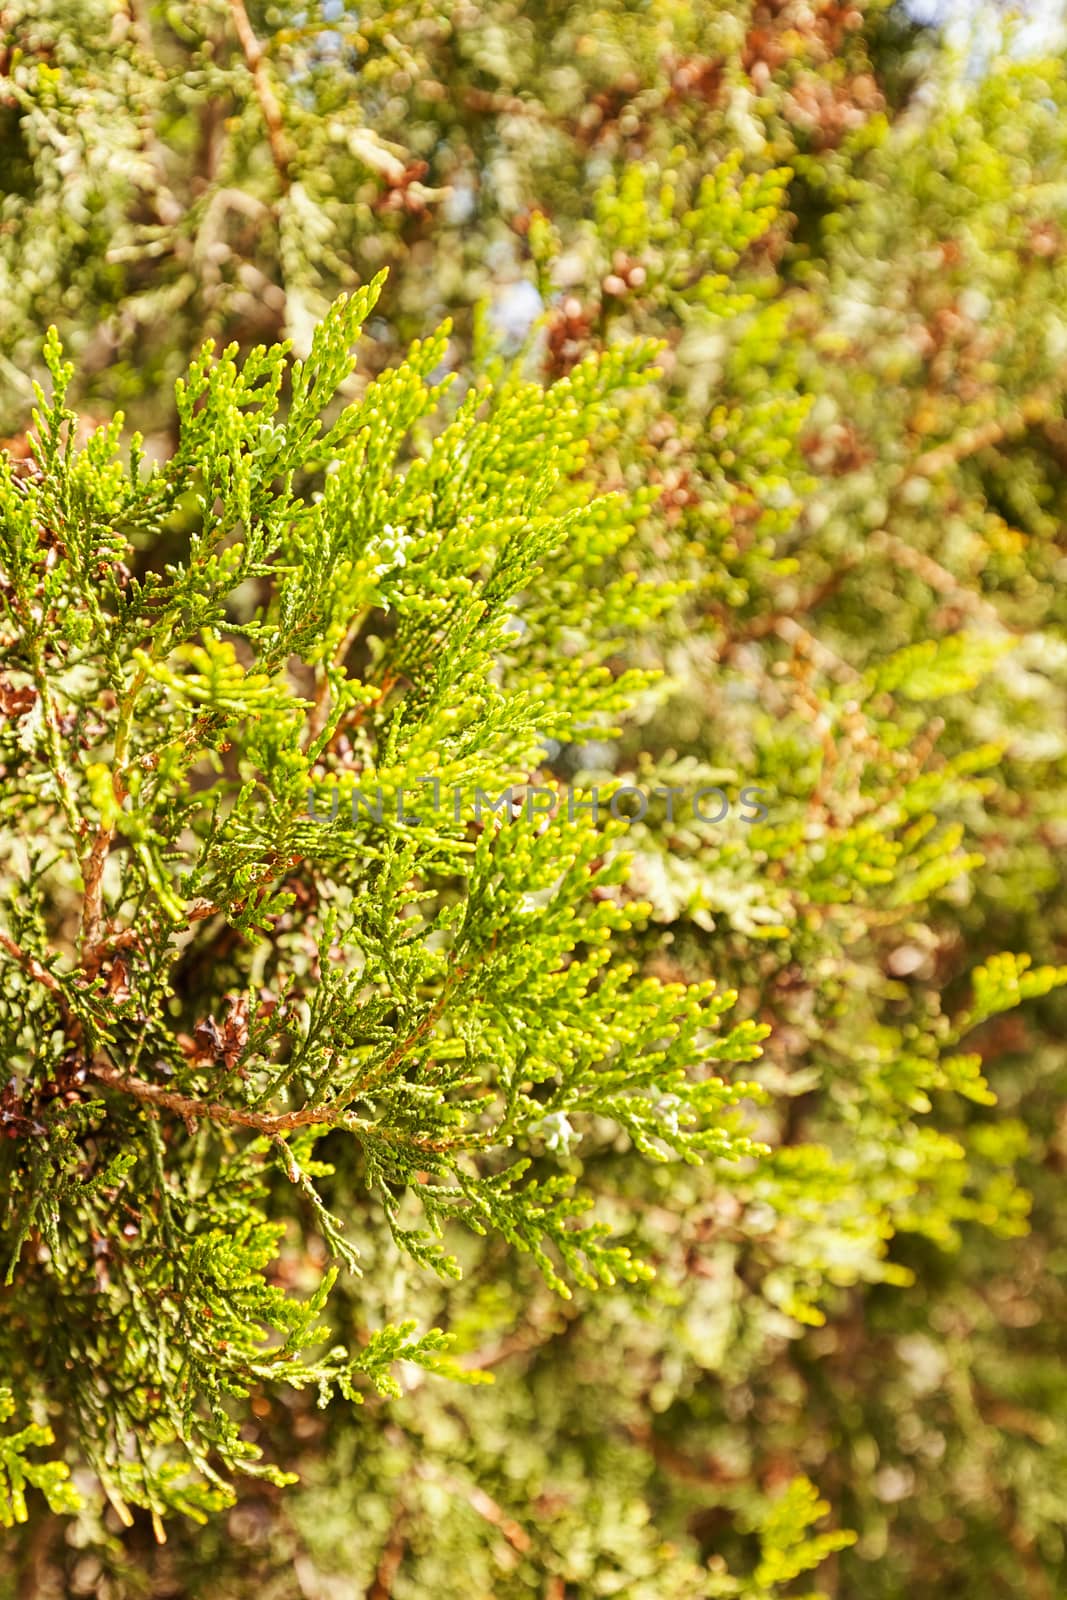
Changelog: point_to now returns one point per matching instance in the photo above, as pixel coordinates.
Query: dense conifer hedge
(428, 1168)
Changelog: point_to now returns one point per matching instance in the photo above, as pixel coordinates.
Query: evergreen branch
(265, 1122)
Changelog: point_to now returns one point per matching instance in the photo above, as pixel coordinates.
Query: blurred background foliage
(848, 225)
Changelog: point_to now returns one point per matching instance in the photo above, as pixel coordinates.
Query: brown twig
(30, 964)
(48, 980)
(932, 573)
(358, 713)
(321, 707)
(1041, 406)
(191, 1109)
(483, 1504)
(255, 56)
(761, 626)
(93, 901)
(275, 1122)
(96, 860)
(497, 105)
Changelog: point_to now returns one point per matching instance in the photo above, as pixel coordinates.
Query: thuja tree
(441, 999)
(586, 160)
(229, 937)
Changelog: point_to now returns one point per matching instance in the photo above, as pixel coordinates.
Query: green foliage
(52, 1478)
(252, 656)
(447, 1001)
